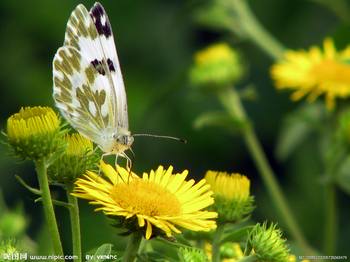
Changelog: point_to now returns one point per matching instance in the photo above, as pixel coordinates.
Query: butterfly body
(119, 142)
(88, 84)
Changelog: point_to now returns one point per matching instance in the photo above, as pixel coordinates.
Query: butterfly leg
(116, 160)
(128, 161)
(103, 155)
(99, 167)
(132, 152)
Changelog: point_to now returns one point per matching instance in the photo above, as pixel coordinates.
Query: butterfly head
(123, 141)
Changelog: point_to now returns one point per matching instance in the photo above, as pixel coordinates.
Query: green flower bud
(267, 243)
(34, 133)
(78, 157)
(192, 255)
(216, 66)
(232, 197)
(9, 252)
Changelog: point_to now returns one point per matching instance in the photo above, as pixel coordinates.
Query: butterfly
(88, 86)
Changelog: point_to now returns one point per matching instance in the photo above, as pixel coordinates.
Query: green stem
(331, 220)
(232, 103)
(41, 170)
(335, 156)
(216, 242)
(75, 223)
(132, 247)
(255, 31)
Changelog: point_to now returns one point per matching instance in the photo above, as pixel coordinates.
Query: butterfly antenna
(166, 137)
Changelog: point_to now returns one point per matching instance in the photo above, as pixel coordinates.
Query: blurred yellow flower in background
(217, 65)
(229, 251)
(160, 199)
(315, 72)
(213, 53)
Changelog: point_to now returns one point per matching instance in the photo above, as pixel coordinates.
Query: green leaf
(169, 249)
(343, 176)
(297, 127)
(219, 119)
(101, 254)
(182, 240)
(172, 243)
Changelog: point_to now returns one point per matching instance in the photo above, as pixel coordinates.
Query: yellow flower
(315, 72)
(213, 53)
(232, 197)
(159, 199)
(216, 66)
(78, 145)
(230, 186)
(34, 132)
(78, 157)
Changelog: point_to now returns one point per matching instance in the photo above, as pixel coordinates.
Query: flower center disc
(146, 198)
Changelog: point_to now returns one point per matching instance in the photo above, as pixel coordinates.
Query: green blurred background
(155, 41)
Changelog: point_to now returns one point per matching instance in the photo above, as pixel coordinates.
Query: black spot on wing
(98, 66)
(101, 66)
(100, 19)
(110, 65)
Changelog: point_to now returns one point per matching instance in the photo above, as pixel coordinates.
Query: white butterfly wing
(88, 86)
(104, 29)
(81, 96)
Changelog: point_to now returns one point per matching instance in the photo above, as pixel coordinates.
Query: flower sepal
(127, 226)
(233, 211)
